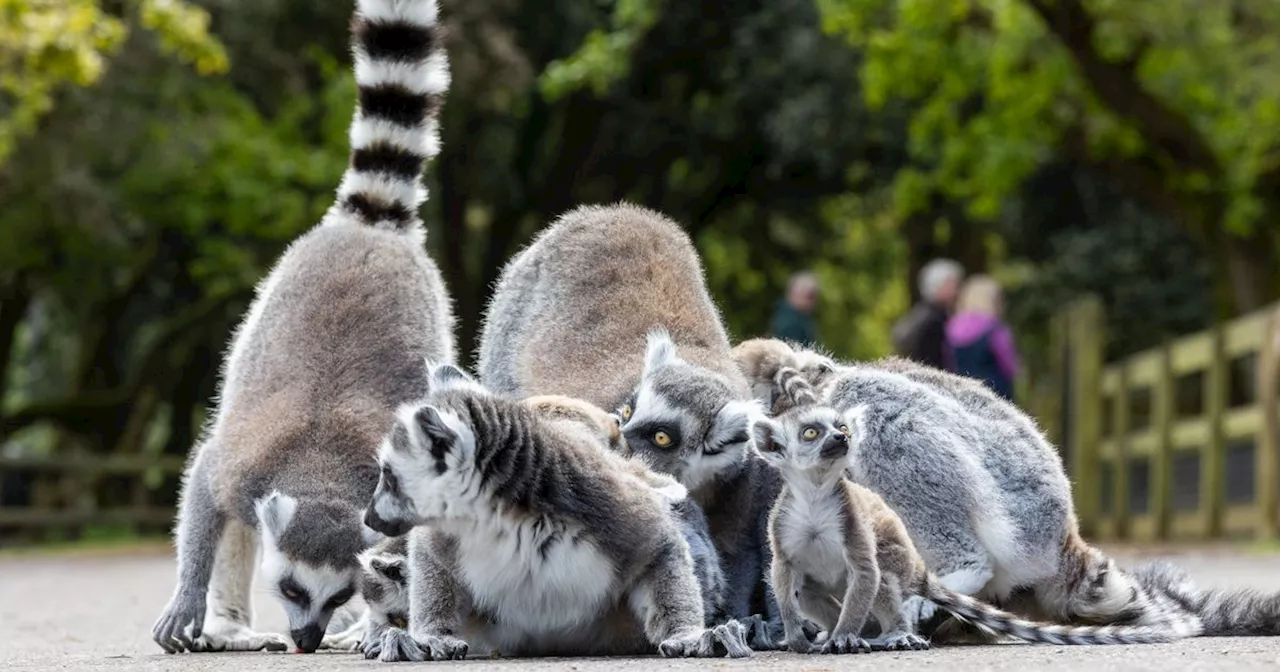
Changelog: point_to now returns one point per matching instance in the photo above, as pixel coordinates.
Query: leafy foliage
(45, 44)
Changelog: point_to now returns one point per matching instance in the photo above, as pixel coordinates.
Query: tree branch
(1169, 133)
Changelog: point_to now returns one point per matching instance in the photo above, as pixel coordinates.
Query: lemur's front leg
(669, 604)
(435, 606)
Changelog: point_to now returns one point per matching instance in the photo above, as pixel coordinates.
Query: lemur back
(333, 342)
(841, 554)
(609, 305)
(540, 540)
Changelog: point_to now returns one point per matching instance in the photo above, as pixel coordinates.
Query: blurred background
(1109, 169)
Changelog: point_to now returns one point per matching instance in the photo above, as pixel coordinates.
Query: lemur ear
(856, 418)
(764, 436)
(275, 511)
(434, 427)
(659, 350)
(389, 566)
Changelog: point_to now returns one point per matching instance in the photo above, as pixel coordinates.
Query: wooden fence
(1176, 442)
(64, 495)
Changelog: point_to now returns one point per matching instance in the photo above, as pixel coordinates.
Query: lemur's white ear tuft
(659, 350)
(275, 511)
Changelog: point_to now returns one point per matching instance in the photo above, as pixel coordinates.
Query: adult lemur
(981, 491)
(609, 305)
(840, 554)
(535, 539)
(333, 343)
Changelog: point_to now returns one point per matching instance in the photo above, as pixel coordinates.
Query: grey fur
(841, 554)
(537, 539)
(384, 585)
(983, 494)
(609, 305)
(1223, 612)
(333, 342)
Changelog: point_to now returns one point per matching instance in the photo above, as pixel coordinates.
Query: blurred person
(981, 343)
(793, 318)
(921, 334)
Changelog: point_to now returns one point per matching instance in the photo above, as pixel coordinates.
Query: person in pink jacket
(981, 344)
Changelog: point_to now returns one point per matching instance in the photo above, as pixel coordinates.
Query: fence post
(1269, 428)
(1215, 471)
(1162, 418)
(1088, 339)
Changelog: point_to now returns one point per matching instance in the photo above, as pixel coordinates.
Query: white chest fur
(811, 535)
(536, 577)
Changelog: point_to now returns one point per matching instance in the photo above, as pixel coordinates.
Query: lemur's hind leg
(954, 553)
(896, 631)
(229, 616)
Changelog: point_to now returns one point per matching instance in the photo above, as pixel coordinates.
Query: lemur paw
(900, 641)
(228, 636)
(703, 643)
(917, 610)
(760, 635)
(185, 608)
(341, 642)
(847, 643)
(732, 637)
(399, 647)
(372, 649)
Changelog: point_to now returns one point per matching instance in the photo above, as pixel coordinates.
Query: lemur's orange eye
(626, 412)
(662, 439)
(810, 434)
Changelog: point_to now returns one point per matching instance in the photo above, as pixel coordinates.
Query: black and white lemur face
(685, 420)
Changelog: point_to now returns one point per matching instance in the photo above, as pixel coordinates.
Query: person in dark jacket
(921, 334)
(981, 343)
(793, 318)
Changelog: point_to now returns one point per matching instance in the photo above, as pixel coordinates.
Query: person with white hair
(793, 317)
(921, 334)
(981, 343)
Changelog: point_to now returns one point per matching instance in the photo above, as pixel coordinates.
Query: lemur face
(684, 420)
(814, 439)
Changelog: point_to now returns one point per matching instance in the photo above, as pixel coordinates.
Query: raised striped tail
(795, 390)
(402, 72)
(985, 615)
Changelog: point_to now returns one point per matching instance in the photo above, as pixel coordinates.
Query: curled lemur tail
(793, 387)
(981, 613)
(402, 72)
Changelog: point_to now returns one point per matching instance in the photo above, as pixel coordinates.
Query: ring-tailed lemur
(333, 343)
(534, 540)
(840, 554)
(596, 309)
(986, 503)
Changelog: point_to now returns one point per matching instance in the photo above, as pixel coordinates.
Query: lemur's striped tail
(983, 614)
(402, 72)
(793, 388)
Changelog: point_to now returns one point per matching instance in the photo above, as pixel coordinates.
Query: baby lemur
(534, 538)
(840, 554)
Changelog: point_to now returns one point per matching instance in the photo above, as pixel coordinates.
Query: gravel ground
(95, 610)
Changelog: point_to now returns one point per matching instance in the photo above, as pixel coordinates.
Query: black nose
(391, 528)
(836, 446)
(308, 639)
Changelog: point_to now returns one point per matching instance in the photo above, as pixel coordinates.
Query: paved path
(94, 612)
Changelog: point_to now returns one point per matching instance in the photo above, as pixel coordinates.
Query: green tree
(1176, 101)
